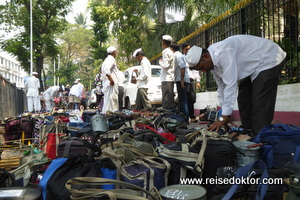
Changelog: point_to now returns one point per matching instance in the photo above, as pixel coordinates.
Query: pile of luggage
(144, 155)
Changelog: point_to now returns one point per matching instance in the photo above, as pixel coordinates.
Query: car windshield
(155, 72)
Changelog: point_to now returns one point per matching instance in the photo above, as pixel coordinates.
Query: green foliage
(48, 20)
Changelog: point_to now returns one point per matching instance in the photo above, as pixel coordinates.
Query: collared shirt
(238, 57)
(77, 90)
(32, 86)
(51, 92)
(121, 78)
(144, 74)
(167, 65)
(180, 63)
(109, 67)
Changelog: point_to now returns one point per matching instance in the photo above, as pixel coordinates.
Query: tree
(48, 20)
(75, 53)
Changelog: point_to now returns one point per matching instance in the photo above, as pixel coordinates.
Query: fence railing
(12, 99)
(276, 20)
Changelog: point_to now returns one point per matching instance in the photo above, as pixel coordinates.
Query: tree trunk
(39, 67)
(161, 12)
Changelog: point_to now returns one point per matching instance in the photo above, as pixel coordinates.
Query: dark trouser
(256, 100)
(167, 90)
(120, 97)
(182, 99)
(142, 101)
(191, 97)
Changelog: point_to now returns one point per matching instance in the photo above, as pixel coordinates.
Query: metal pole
(58, 66)
(54, 73)
(31, 39)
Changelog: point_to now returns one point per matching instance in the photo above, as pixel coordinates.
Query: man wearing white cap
(32, 86)
(76, 94)
(167, 73)
(142, 101)
(249, 64)
(110, 81)
(49, 95)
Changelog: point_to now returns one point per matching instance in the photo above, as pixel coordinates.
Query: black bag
(75, 166)
(219, 153)
(75, 145)
(7, 179)
(183, 159)
(274, 191)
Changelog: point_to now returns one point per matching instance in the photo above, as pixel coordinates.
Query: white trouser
(33, 103)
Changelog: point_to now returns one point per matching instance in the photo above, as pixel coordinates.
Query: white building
(11, 69)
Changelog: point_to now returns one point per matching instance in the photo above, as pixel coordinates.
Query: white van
(154, 91)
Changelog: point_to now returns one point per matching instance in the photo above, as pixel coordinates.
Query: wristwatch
(221, 119)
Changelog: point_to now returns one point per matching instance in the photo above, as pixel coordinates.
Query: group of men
(175, 70)
(75, 94)
(245, 67)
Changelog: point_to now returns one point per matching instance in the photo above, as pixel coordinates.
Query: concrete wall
(287, 108)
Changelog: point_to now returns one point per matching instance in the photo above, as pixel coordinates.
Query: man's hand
(133, 80)
(112, 82)
(224, 119)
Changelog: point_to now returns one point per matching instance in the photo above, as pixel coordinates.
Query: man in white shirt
(49, 95)
(194, 82)
(142, 101)
(167, 73)
(32, 86)
(249, 64)
(110, 82)
(182, 79)
(76, 94)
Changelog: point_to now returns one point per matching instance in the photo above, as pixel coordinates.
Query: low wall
(287, 109)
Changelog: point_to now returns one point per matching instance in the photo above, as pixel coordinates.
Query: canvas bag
(185, 160)
(51, 135)
(281, 143)
(147, 172)
(129, 191)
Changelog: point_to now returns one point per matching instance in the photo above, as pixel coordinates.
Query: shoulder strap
(242, 172)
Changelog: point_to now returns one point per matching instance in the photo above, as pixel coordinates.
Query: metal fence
(276, 20)
(12, 100)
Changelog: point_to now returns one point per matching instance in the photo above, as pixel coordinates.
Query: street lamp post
(58, 66)
(31, 39)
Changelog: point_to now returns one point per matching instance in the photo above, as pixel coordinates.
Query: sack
(7, 179)
(252, 188)
(218, 153)
(186, 161)
(55, 164)
(74, 127)
(281, 143)
(152, 136)
(147, 172)
(75, 166)
(51, 135)
(75, 145)
(87, 188)
(23, 173)
(15, 126)
(87, 115)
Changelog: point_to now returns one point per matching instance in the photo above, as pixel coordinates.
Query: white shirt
(51, 92)
(109, 67)
(180, 63)
(144, 74)
(238, 57)
(121, 77)
(76, 90)
(167, 65)
(32, 86)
